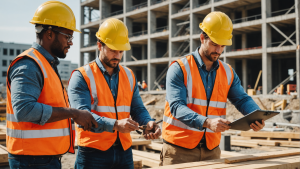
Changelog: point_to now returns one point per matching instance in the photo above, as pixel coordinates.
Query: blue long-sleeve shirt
(79, 96)
(177, 92)
(26, 81)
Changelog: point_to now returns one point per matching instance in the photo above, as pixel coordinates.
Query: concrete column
(170, 30)
(244, 13)
(151, 22)
(81, 59)
(194, 24)
(127, 4)
(266, 42)
(212, 5)
(297, 8)
(244, 41)
(81, 15)
(128, 23)
(105, 9)
(144, 52)
(244, 74)
(144, 73)
(151, 75)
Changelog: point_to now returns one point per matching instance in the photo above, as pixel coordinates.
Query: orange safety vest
(103, 104)
(26, 138)
(178, 133)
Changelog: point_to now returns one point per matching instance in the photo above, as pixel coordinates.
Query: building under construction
(265, 36)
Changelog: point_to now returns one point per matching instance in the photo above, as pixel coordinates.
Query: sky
(15, 27)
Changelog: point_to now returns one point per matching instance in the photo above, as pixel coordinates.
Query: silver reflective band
(217, 104)
(197, 101)
(39, 62)
(189, 85)
(110, 109)
(73, 126)
(38, 133)
(228, 72)
(11, 117)
(129, 76)
(214, 117)
(89, 73)
(178, 123)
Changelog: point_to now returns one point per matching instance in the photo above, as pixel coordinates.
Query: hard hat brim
(227, 42)
(42, 23)
(125, 46)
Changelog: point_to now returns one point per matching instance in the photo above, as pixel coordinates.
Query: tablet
(258, 115)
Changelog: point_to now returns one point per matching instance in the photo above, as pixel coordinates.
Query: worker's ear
(49, 34)
(202, 38)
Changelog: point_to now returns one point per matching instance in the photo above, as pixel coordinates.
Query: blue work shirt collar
(200, 62)
(52, 60)
(102, 68)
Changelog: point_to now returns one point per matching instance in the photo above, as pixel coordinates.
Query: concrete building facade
(65, 69)
(8, 52)
(265, 36)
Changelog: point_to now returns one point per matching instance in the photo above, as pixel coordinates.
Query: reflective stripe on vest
(37, 133)
(39, 61)
(179, 124)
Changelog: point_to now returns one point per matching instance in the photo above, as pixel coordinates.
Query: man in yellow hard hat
(110, 93)
(198, 86)
(39, 128)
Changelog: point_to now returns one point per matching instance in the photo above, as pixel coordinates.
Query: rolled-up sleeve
(26, 81)
(138, 111)
(80, 98)
(176, 97)
(239, 98)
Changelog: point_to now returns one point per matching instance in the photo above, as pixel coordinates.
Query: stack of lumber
(3, 156)
(151, 159)
(271, 160)
(254, 139)
(2, 111)
(2, 134)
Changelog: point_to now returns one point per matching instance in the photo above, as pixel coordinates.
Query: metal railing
(275, 44)
(136, 7)
(145, 32)
(249, 18)
(183, 9)
(283, 11)
(203, 4)
(113, 14)
(161, 29)
(153, 2)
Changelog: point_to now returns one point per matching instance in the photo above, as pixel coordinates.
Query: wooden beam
(243, 143)
(292, 135)
(263, 106)
(261, 156)
(148, 159)
(140, 142)
(137, 164)
(154, 146)
(152, 101)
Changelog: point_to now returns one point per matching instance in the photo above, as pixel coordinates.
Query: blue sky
(15, 27)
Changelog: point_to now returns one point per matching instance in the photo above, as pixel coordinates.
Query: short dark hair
(205, 35)
(45, 28)
(103, 44)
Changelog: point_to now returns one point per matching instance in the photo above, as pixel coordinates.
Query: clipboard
(257, 115)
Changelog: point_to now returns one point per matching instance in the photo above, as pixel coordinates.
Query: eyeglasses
(69, 37)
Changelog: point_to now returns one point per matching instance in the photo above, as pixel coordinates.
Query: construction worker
(144, 85)
(198, 86)
(39, 128)
(109, 92)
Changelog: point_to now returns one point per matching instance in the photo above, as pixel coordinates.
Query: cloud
(16, 28)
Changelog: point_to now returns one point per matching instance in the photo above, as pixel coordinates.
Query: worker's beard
(210, 57)
(56, 49)
(109, 64)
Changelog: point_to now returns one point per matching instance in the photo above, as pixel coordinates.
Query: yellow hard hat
(218, 27)
(55, 13)
(114, 34)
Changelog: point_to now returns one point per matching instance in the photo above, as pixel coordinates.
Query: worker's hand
(152, 131)
(126, 125)
(257, 126)
(217, 124)
(84, 119)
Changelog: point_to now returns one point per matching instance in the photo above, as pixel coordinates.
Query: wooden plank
(154, 146)
(292, 135)
(3, 156)
(136, 142)
(135, 136)
(193, 164)
(261, 156)
(263, 106)
(243, 143)
(147, 162)
(226, 154)
(137, 164)
(239, 138)
(152, 101)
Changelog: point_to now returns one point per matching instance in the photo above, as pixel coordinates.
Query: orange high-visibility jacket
(26, 138)
(176, 132)
(103, 104)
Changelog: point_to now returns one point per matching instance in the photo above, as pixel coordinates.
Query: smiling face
(60, 46)
(211, 50)
(109, 57)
